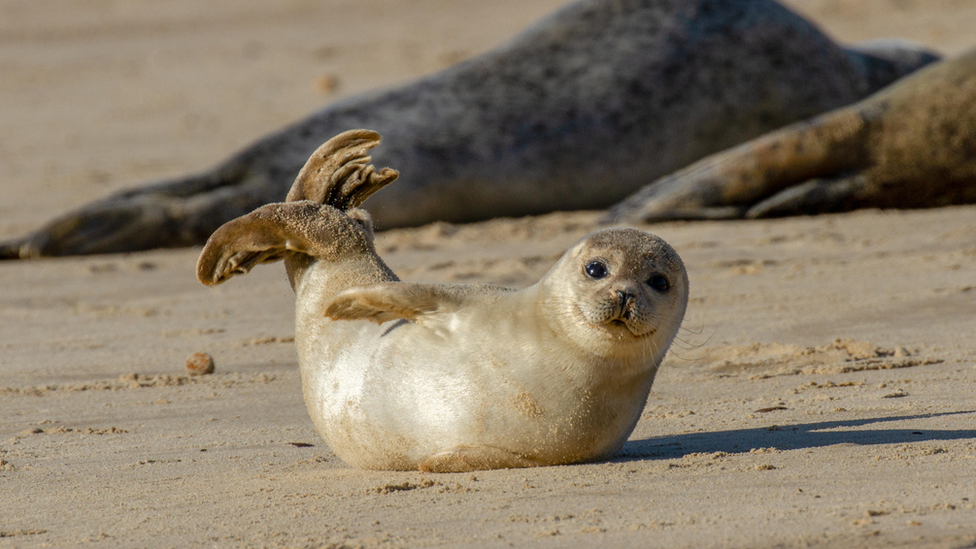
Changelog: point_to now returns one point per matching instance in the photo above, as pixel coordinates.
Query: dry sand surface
(821, 392)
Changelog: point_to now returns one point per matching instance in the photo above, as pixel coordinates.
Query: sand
(821, 392)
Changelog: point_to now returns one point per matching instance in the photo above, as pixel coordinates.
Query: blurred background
(101, 95)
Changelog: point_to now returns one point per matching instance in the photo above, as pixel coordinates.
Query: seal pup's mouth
(618, 323)
(621, 323)
(631, 328)
(624, 316)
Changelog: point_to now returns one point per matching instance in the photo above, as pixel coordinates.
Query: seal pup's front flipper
(461, 459)
(420, 303)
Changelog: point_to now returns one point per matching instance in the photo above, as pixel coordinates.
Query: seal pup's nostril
(624, 297)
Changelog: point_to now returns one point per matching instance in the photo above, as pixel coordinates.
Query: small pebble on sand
(199, 364)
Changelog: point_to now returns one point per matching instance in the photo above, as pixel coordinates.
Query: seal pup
(579, 111)
(911, 145)
(442, 378)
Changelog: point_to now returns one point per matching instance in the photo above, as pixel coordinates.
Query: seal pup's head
(620, 292)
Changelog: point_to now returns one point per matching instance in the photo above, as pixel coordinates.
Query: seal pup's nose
(624, 297)
(625, 300)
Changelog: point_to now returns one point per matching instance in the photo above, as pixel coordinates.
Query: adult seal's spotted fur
(579, 111)
(457, 377)
(910, 145)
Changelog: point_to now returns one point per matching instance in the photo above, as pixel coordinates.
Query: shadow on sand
(792, 437)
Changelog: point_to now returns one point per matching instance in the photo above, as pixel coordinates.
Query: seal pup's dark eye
(659, 282)
(596, 270)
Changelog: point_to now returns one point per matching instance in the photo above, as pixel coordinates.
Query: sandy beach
(820, 393)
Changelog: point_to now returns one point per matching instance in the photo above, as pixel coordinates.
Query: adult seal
(579, 111)
(911, 145)
(456, 377)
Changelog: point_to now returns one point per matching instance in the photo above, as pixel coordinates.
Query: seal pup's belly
(388, 398)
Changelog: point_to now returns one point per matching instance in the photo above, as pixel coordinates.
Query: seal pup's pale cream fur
(457, 377)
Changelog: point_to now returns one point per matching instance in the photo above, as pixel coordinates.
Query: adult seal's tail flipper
(319, 219)
(724, 185)
(911, 145)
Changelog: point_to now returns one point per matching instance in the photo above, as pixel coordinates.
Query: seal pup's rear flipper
(272, 232)
(320, 218)
(339, 172)
(421, 303)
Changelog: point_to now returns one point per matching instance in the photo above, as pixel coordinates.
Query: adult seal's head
(442, 377)
(617, 293)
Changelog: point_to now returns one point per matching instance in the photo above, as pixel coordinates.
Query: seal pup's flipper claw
(339, 174)
(461, 459)
(274, 231)
(319, 220)
(381, 303)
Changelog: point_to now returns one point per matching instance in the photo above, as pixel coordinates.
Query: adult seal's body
(579, 111)
(911, 145)
(457, 377)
